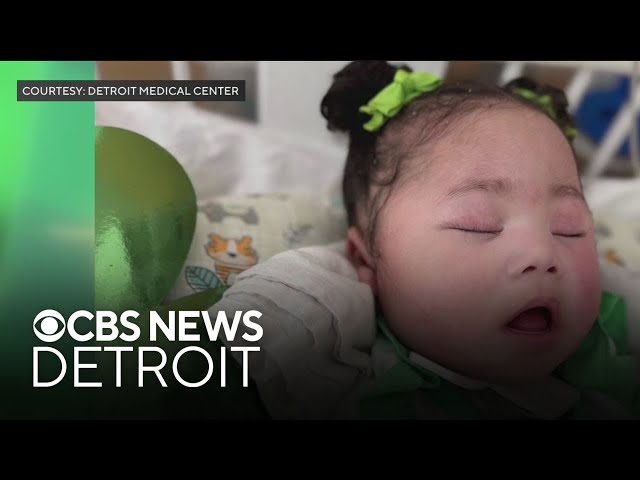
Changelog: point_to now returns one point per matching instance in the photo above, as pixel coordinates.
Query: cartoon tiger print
(231, 256)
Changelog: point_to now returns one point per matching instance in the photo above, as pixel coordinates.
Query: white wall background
(290, 92)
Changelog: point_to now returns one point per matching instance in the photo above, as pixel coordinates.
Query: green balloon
(145, 220)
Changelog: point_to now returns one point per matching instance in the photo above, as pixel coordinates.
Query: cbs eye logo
(51, 326)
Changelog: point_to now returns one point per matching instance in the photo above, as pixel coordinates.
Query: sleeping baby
(469, 284)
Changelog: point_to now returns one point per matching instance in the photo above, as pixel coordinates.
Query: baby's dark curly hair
(376, 159)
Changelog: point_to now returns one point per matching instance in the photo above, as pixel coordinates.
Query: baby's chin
(502, 360)
(522, 365)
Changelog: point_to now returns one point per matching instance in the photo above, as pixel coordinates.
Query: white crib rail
(625, 120)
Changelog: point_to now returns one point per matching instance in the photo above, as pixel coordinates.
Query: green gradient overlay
(47, 211)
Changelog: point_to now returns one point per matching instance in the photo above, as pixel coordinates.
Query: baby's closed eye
(570, 224)
(570, 231)
(475, 227)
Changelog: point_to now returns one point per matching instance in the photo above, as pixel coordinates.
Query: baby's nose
(536, 255)
(533, 268)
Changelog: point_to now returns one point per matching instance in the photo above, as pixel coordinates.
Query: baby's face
(493, 225)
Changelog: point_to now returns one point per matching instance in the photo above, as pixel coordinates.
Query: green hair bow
(545, 103)
(392, 98)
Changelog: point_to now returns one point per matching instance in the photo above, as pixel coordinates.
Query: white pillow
(235, 232)
(618, 239)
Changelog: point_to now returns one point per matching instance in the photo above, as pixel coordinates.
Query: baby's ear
(359, 256)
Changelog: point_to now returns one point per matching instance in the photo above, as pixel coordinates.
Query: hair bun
(558, 97)
(352, 87)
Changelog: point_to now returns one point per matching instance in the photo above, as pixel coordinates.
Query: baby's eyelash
(574, 235)
(475, 229)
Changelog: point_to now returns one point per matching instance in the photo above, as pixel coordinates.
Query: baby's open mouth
(536, 317)
(533, 320)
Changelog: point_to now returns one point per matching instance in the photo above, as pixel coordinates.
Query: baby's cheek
(434, 278)
(587, 288)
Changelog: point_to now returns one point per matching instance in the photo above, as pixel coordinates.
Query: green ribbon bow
(392, 98)
(542, 101)
(545, 103)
